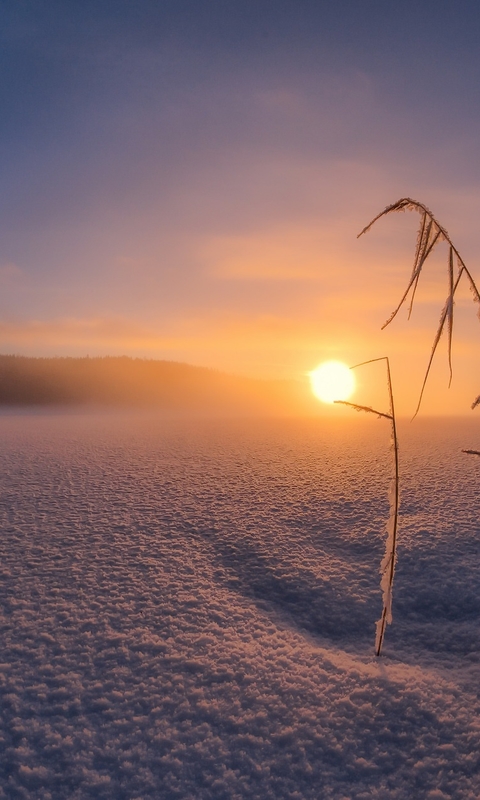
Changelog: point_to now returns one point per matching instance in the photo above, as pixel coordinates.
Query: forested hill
(123, 381)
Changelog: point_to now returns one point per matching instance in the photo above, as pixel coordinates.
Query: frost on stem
(389, 560)
(430, 233)
(387, 567)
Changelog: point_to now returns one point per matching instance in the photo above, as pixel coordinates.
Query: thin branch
(387, 567)
(472, 452)
(430, 227)
(415, 272)
(473, 289)
(401, 205)
(438, 335)
(421, 238)
(370, 361)
(450, 312)
(414, 292)
(407, 204)
(413, 280)
(368, 409)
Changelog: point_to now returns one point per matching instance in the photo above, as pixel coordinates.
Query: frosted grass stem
(387, 566)
(429, 234)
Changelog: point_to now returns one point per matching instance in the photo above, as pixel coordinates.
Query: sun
(332, 381)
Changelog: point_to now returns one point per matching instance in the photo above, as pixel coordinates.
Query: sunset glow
(332, 381)
(211, 218)
(203, 277)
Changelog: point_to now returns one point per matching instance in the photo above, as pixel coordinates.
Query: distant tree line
(137, 382)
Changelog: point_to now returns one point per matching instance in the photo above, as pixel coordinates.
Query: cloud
(278, 255)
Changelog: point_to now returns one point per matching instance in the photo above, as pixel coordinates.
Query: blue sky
(185, 180)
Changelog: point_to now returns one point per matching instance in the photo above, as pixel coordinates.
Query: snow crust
(188, 610)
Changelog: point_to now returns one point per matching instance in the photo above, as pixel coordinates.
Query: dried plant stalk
(449, 305)
(387, 567)
(429, 234)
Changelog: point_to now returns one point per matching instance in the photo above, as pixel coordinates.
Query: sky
(186, 180)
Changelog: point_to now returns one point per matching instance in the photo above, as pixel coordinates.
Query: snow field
(188, 610)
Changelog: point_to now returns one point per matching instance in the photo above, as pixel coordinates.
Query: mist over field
(188, 609)
(111, 382)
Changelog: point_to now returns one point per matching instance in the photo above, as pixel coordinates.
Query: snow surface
(188, 610)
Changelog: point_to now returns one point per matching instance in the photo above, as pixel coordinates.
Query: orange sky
(196, 196)
(297, 293)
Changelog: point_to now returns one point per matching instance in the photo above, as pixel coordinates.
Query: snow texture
(188, 610)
